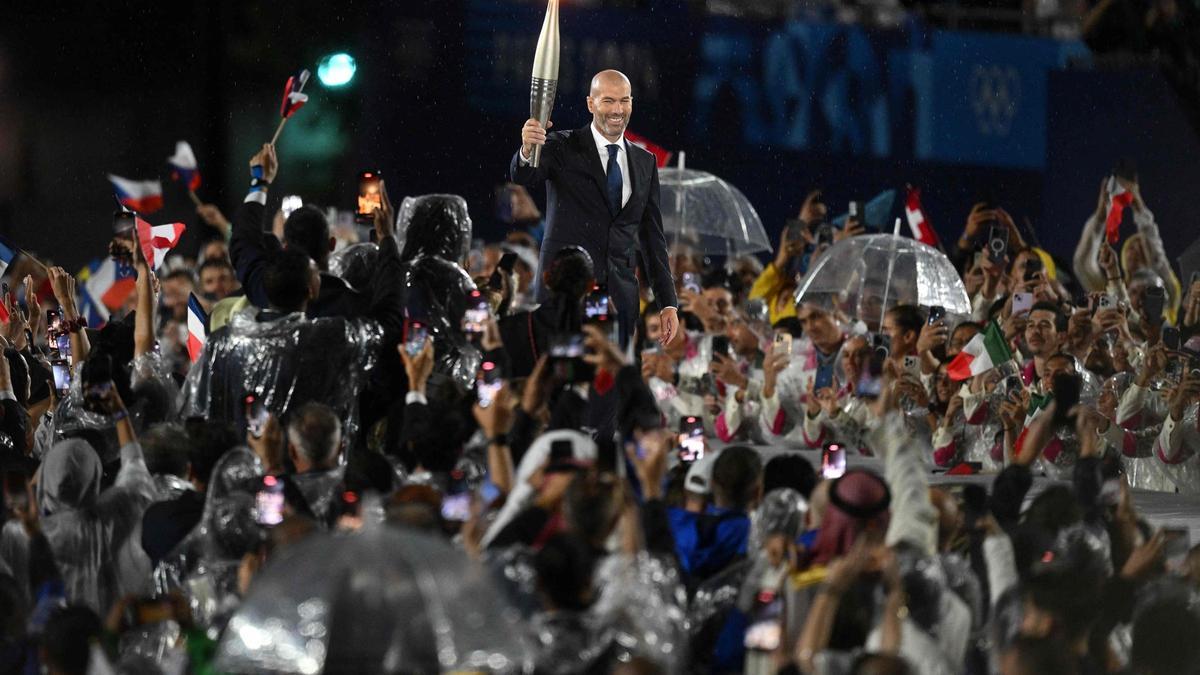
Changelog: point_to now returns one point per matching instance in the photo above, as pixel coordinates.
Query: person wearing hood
(86, 526)
(314, 444)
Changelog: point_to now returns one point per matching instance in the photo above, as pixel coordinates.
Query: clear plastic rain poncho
(283, 363)
(204, 565)
(379, 600)
(355, 264)
(435, 231)
(86, 527)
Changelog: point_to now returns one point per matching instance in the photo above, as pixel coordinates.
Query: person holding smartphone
(777, 283)
(85, 524)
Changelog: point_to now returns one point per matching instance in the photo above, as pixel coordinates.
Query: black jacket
(250, 248)
(577, 213)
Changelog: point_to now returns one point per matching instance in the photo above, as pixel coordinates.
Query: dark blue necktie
(614, 179)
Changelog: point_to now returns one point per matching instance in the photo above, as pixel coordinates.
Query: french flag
(183, 166)
(294, 97)
(661, 155)
(8, 253)
(158, 240)
(143, 196)
(922, 231)
(106, 286)
(197, 328)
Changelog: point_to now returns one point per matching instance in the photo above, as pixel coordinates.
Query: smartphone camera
(1152, 305)
(488, 383)
(998, 243)
(833, 461)
(369, 197)
(268, 502)
(936, 314)
(691, 438)
(783, 343)
(721, 346)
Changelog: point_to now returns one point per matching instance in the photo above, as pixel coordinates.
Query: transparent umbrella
(862, 277)
(709, 213)
(383, 600)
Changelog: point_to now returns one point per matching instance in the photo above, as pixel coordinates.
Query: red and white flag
(294, 97)
(921, 228)
(158, 240)
(661, 155)
(1118, 199)
(143, 196)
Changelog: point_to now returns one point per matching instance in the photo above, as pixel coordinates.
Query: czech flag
(922, 231)
(1118, 199)
(158, 240)
(197, 328)
(661, 155)
(106, 287)
(8, 253)
(183, 166)
(143, 196)
(294, 97)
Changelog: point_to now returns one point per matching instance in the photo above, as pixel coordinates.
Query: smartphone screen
(691, 438)
(476, 316)
(456, 501)
(289, 204)
(62, 376)
(595, 307)
(487, 383)
(566, 356)
(369, 197)
(566, 346)
(766, 627)
(416, 334)
(833, 461)
(268, 502)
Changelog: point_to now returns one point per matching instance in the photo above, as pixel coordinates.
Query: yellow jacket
(769, 286)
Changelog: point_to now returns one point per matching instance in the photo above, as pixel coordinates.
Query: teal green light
(336, 70)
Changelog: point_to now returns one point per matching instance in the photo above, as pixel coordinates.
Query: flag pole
(278, 130)
(195, 199)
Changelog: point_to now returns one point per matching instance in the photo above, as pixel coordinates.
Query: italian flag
(984, 352)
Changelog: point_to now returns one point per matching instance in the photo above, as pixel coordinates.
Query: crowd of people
(647, 507)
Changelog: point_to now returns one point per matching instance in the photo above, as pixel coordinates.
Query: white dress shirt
(602, 144)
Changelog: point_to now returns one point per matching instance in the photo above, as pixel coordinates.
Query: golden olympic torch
(545, 74)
